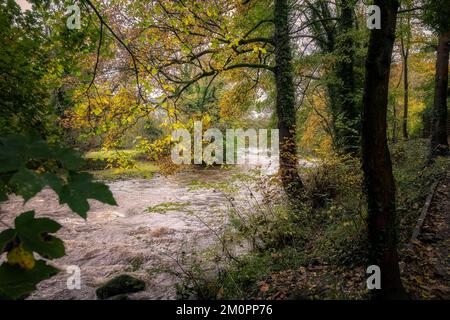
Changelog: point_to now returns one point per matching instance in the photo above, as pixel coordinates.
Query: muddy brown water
(129, 239)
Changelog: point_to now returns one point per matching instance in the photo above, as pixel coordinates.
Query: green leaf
(53, 181)
(11, 149)
(80, 188)
(6, 237)
(36, 148)
(17, 283)
(27, 183)
(16, 150)
(69, 158)
(34, 234)
(3, 194)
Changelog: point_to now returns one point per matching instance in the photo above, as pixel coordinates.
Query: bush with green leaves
(29, 164)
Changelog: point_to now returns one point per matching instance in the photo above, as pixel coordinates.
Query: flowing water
(128, 238)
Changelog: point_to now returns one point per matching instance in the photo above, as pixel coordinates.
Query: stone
(120, 285)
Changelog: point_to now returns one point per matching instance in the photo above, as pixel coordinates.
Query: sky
(25, 5)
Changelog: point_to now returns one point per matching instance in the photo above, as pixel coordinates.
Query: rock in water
(120, 285)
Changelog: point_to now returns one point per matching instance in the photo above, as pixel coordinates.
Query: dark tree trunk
(405, 58)
(394, 122)
(439, 137)
(376, 160)
(285, 102)
(405, 98)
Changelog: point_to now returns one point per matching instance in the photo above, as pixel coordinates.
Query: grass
(136, 263)
(334, 234)
(413, 179)
(110, 154)
(168, 206)
(142, 170)
(111, 165)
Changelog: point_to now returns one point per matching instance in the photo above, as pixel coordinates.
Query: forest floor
(426, 273)
(331, 262)
(425, 265)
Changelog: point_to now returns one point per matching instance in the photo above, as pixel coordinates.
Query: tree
(23, 60)
(38, 65)
(32, 63)
(436, 15)
(207, 40)
(334, 31)
(405, 43)
(376, 160)
(439, 138)
(285, 101)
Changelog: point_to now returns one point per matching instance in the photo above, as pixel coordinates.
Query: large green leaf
(27, 183)
(53, 181)
(69, 158)
(3, 194)
(20, 158)
(18, 283)
(80, 188)
(16, 150)
(6, 237)
(11, 153)
(35, 235)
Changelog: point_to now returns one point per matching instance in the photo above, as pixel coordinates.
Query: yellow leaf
(23, 258)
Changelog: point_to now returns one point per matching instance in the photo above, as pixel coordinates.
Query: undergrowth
(318, 250)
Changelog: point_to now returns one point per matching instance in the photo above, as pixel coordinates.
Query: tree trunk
(338, 39)
(405, 97)
(285, 102)
(405, 58)
(439, 138)
(376, 160)
(345, 111)
(394, 122)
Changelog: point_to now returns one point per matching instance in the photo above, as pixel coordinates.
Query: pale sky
(25, 5)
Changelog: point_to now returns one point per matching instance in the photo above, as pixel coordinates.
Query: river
(128, 238)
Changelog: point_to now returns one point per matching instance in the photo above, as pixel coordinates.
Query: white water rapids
(127, 238)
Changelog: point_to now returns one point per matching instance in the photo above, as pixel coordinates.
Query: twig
(98, 57)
